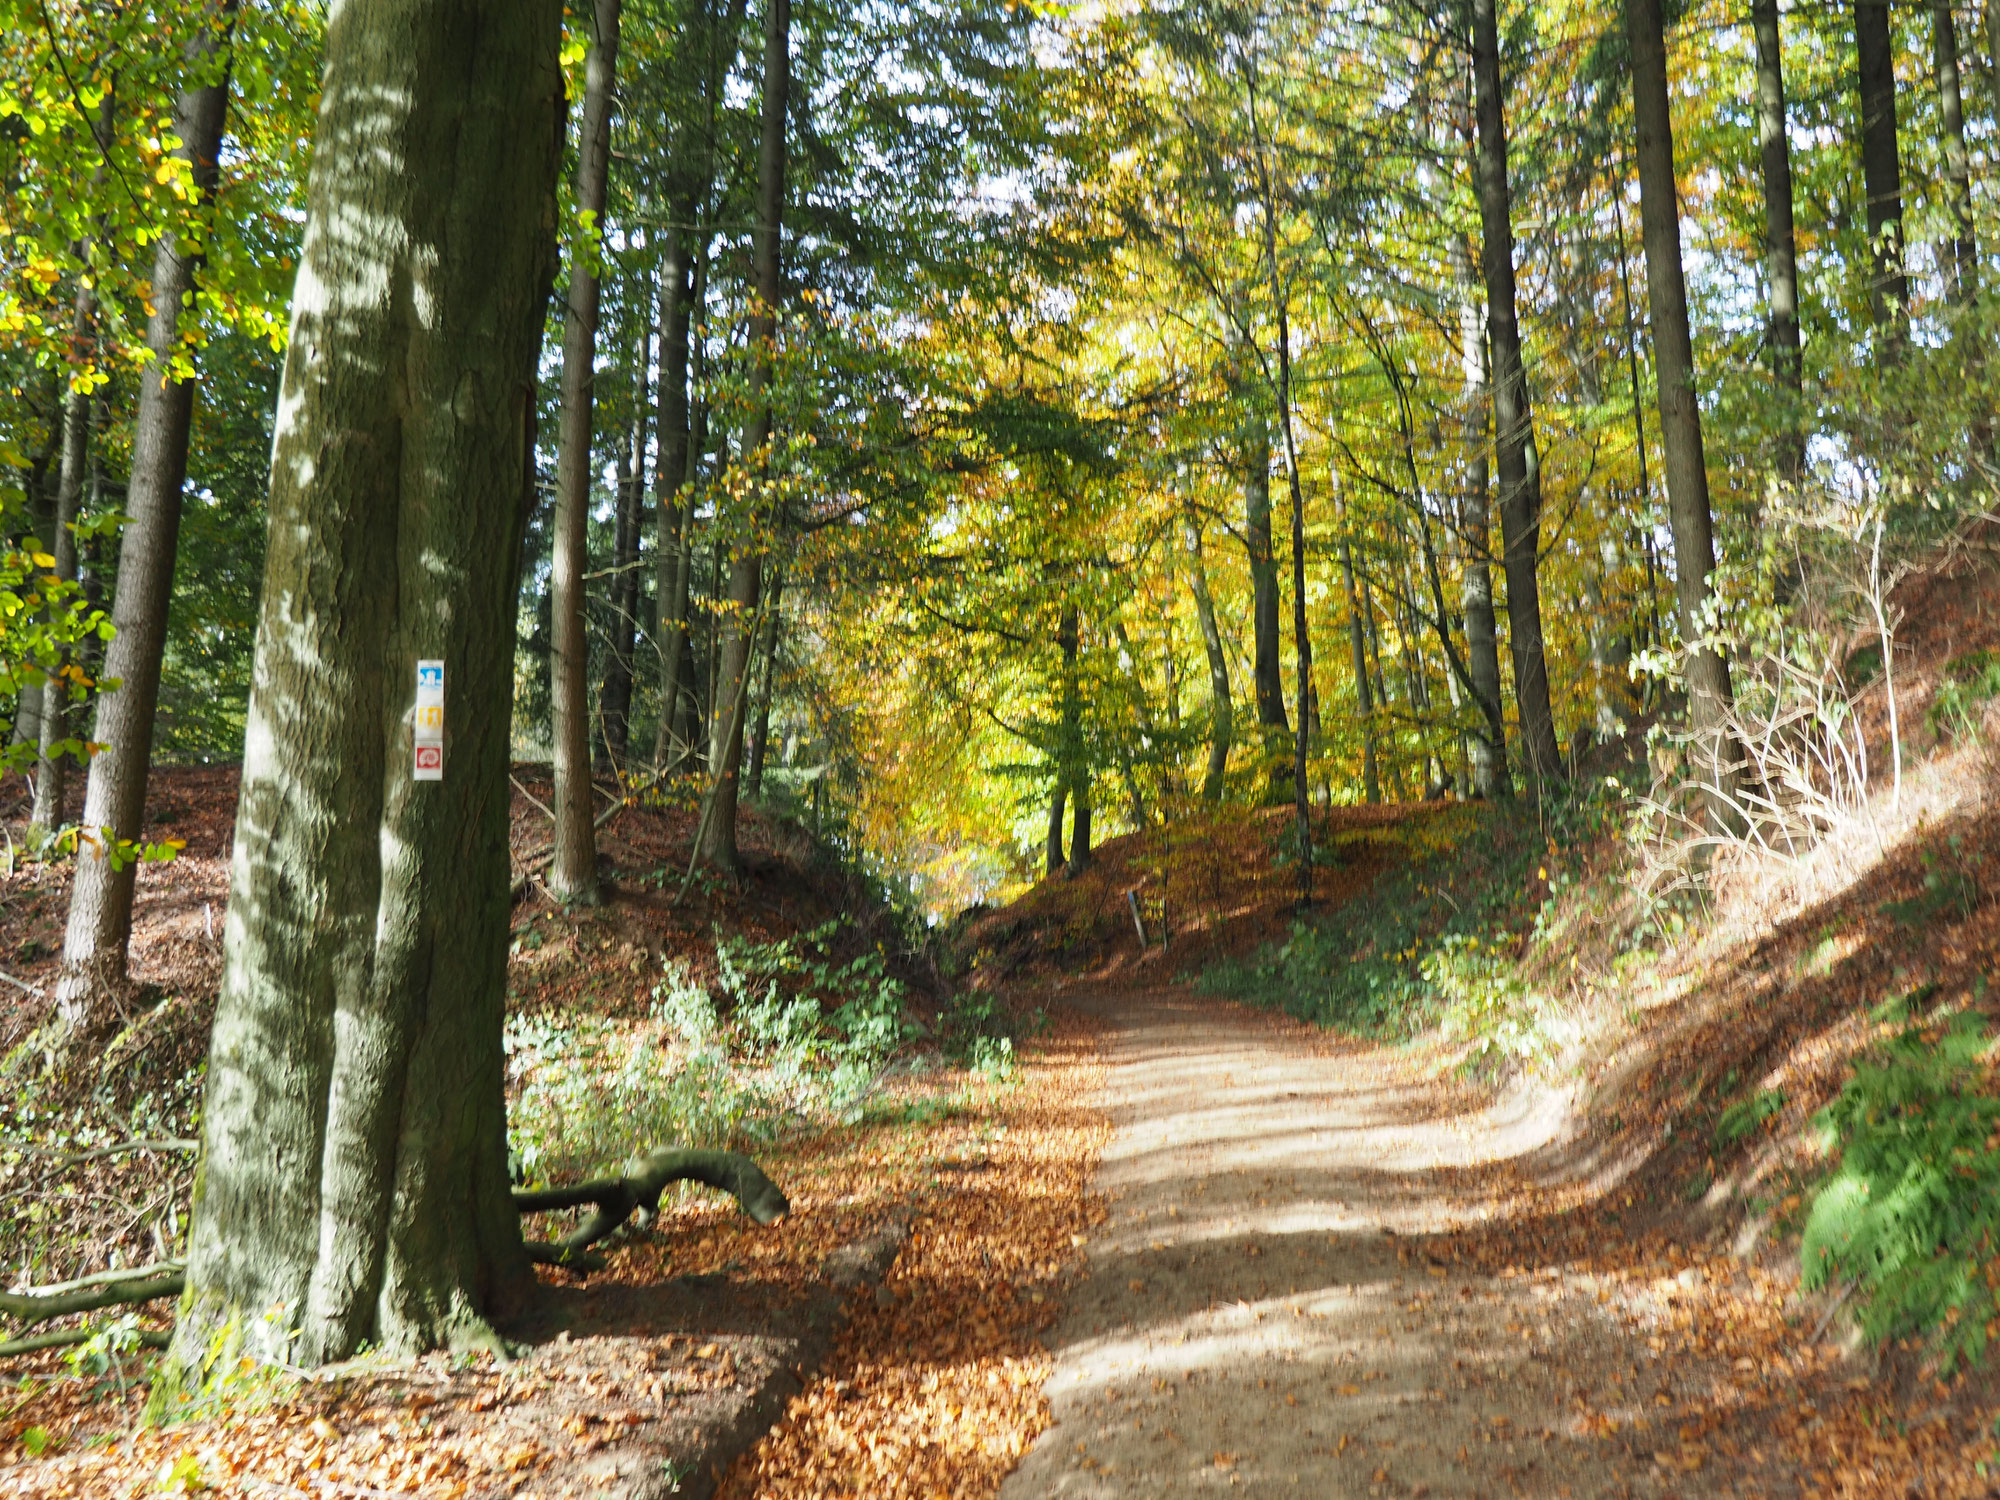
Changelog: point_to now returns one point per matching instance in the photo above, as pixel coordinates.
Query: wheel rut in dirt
(1273, 1308)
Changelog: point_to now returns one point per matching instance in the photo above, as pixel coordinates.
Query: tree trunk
(1519, 461)
(1221, 711)
(354, 1181)
(767, 684)
(1364, 698)
(684, 421)
(1680, 415)
(1302, 636)
(52, 764)
(615, 697)
(1079, 827)
(746, 569)
(573, 871)
(114, 807)
(1072, 767)
(1781, 265)
(1486, 747)
(1058, 799)
(673, 557)
(1882, 174)
(1964, 265)
(1267, 677)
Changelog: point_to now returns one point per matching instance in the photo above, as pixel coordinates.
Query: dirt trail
(1255, 1317)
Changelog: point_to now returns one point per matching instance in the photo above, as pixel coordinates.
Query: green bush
(1912, 1217)
(1970, 682)
(789, 1037)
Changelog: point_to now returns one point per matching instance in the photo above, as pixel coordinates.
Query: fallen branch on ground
(616, 1199)
(28, 1308)
(148, 1338)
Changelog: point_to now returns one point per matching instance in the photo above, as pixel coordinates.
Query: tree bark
(1302, 636)
(1882, 174)
(1267, 673)
(1781, 265)
(615, 697)
(573, 873)
(677, 299)
(1058, 800)
(1964, 264)
(684, 419)
(767, 684)
(1709, 702)
(1221, 711)
(114, 806)
(746, 568)
(1364, 698)
(1486, 746)
(354, 1184)
(52, 763)
(1518, 459)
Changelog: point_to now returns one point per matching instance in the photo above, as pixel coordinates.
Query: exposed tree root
(616, 1199)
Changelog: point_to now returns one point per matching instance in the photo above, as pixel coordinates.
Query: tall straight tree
(683, 295)
(746, 566)
(354, 1176)
(615, 696)
(1963, 266)
(1517, 457)
(1781, 261)
(1882, 174)
(114, 804)
(1267, 681)
(1709, 702)
(678, 289)
(1221, 711)
(1486, 747)
(573, 872)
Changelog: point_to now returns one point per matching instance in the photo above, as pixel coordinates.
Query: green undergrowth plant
(1436, 939)
(1911, 1217)
(1971, 681)
(789, 1036)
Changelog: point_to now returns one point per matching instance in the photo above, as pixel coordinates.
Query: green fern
(1913, 1215)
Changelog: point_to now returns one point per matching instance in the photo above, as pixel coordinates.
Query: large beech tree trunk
(1680, 416)
(354, 1185)
(1882, 174)
(573, 872)
(1486, 747)
(114, 804)
(1221, 710)
(1515, 452)
(746, 566)
(1781, 263)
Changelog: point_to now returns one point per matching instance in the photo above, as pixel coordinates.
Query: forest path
(1274, 1306)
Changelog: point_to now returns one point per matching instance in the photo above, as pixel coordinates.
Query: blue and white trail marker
(430, 721)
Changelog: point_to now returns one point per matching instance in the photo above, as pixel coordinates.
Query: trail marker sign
(430, 721)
